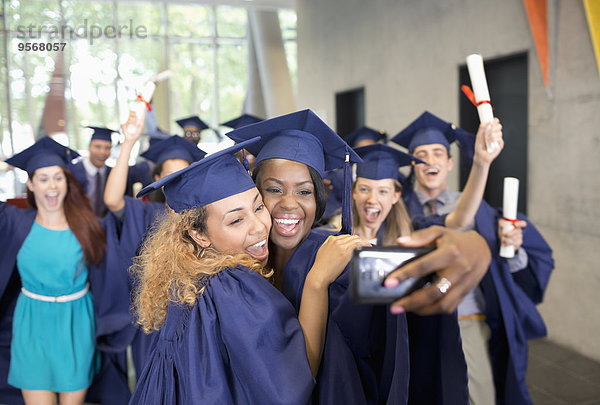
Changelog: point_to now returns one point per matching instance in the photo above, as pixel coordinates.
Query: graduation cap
(101, 134)
(45, 152)
(156, 136)
(428, 129)
(211, 179)
(192, 121)
(381, 161)
(365, 133)
(242, 121)
(302, 137)
(174, 147)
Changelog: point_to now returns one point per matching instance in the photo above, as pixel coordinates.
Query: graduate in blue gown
(192, 128)
(49, 327)
(334, 179)
(86, 169)
(126, 226)
(510, 290)
(225, 335)
(359, 364)
(378, 211)
(381, 217)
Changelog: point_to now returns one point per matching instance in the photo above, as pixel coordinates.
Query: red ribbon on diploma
(469, 93)
(514, 222)
(139, 97)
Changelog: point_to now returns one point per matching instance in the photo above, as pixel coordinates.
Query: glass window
(91, 94)
(142, 17)
(191, 85)
(232, 62)
(91, 20)
(189, 21)
(111, 49)
(287, 20)
(231, 22)
(32, 18)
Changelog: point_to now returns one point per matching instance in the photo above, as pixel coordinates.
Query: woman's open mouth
(259, 250)
(287, 226)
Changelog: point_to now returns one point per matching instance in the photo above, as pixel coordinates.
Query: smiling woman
(228, 230)
(126, 226)
(290, 194)
(51, 246)
(362, 351)
(379, 214)
(202, 283)
(294, 152)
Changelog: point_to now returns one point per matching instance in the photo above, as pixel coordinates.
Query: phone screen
(370, 267)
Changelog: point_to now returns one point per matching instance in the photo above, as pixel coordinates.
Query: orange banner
(538, 21)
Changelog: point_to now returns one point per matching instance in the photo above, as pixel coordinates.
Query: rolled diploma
(139, 106)
(164, 75)
(510, 201)
(481, 92)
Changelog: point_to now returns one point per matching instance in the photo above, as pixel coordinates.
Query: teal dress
(52, 346)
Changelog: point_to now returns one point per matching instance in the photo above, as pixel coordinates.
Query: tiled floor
(559, 376)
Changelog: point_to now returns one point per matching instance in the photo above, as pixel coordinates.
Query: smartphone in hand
(370, 267)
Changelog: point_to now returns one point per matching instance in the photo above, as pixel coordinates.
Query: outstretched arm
(471, 196)
(459, 262)
(116, 182)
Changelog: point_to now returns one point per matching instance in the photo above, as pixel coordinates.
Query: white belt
(61, 298)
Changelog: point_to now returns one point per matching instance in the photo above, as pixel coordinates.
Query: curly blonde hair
(172, 267)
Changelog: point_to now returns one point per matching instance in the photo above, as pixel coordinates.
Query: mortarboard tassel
(245, 161)
(347, 197)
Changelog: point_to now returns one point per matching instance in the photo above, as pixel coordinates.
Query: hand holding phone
(370, 267)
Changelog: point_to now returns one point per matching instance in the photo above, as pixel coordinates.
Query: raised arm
(333, 256)
(116, 183)
(472, 194)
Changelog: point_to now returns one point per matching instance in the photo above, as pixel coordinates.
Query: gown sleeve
(241, 343)
(510, 302)
(540, 263)
(358, 365)
(112, 286)
(15, 224)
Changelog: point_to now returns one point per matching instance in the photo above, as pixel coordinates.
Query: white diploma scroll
(146, 94)
(510, 202)
(164, 75)
(482, 94)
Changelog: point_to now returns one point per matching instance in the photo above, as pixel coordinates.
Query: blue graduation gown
(115, 326)
(359, 365)
(107, 387)
(437, 363)
(510, 300)
(140, 172)
(15, 224)
(438, 370)
(240, 343)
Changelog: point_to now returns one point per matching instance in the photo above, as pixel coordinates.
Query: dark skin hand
(462, 258)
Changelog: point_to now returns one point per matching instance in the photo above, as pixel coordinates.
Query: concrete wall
(406, 54)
